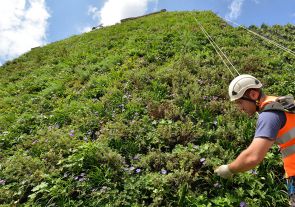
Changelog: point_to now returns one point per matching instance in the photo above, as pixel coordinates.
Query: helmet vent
(234, 93)
(257, 82)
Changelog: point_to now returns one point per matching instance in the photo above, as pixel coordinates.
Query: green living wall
(137, 114)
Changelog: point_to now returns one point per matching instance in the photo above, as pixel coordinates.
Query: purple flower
(163, 172)
(138, 170)
(202, 160)
(253, 172)
(82, 179)
(2, 182)
(243, 204)
(72, 133)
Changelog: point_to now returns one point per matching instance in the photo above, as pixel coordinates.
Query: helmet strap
(256, 102)
(249, 99)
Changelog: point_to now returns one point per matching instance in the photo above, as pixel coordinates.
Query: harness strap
(283, 103)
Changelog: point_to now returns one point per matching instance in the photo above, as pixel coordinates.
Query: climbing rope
(217, 49)
(224, 57)
(264, 38)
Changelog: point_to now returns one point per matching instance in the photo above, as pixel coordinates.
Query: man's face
(246, 106)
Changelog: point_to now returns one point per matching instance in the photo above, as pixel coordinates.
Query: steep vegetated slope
(137, 114)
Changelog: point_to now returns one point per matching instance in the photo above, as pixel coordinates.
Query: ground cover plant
(137, 114)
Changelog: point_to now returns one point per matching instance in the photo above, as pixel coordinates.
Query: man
(275, 124)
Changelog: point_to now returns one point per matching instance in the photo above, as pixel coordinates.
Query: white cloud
(235, 9)
(115, 10)
(94, 12)
(85, 29)
(23, 25)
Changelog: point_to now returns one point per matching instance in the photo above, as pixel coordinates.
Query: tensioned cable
(264, 38)
(218, 52)
(216, 47)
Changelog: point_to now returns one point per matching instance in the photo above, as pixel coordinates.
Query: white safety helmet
(241, 84)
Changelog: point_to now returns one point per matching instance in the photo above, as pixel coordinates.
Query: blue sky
(29, 23)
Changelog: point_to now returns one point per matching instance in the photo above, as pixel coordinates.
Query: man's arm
(251, 156)
(268, 125)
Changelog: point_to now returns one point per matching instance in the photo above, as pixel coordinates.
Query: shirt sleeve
(269, 123)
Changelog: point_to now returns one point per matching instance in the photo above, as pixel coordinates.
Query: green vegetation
(137, 114)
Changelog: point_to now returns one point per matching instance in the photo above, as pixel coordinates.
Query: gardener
(276, 123)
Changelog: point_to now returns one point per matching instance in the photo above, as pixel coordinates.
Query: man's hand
(224, 171)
